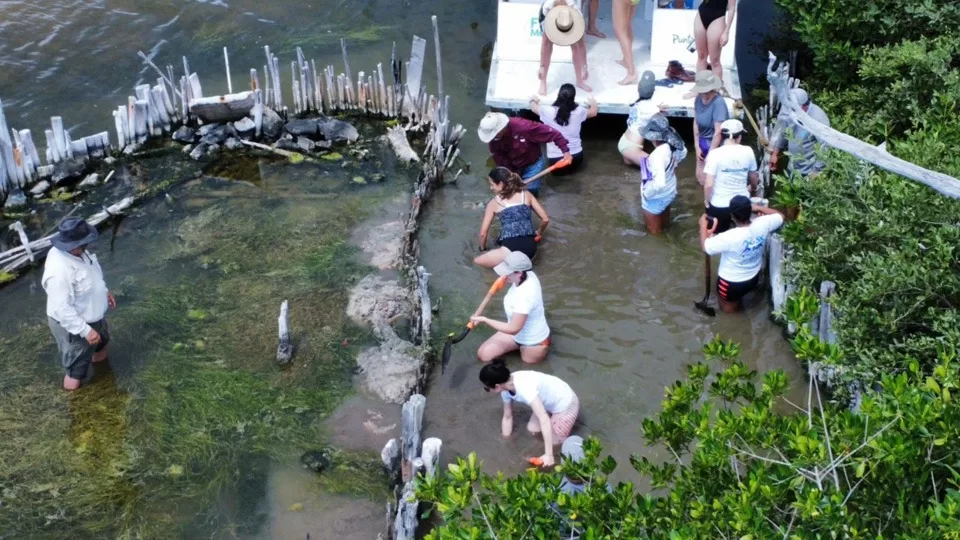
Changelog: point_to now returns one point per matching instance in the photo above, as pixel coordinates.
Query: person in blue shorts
(660, 190)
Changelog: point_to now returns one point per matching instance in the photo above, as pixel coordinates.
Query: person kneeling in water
(740, 249)
(514, 205)
(555, 406)
(526, 327)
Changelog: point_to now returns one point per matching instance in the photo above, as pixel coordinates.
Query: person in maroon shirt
(515, 144)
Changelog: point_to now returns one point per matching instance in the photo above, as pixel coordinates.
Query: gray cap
(572, 448)
(801, 96)
(516, 261)
(647, 85)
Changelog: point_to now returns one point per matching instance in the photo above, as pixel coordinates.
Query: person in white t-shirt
(642, 110)
(555, 405)
(740, 249)
(567, 117)
(730, 170)
(526, 327)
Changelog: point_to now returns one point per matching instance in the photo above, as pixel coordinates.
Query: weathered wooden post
(431, 455)
(412, 420)
(285, 349)
(226, 62)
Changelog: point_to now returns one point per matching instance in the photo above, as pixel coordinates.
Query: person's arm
(506, 424)
(541, 213)
(706, 233)
(764, 210)
(546, 429)
(696, 139)
(485, 226)
(658, 172)
(58, 293)
(511, 328)
(753, 179)
(541, 133)
(731, 14)
(717, 133)
(592, 109)
(535, 105)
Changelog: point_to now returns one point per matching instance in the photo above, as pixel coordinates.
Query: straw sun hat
(705, 82)
(564, 25)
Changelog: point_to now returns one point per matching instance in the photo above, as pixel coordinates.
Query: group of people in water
(732, 226)
(562, 23)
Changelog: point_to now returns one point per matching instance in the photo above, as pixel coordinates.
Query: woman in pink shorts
(553, 403)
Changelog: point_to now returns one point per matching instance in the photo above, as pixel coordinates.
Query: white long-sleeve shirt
(663, 163)
(76, 291)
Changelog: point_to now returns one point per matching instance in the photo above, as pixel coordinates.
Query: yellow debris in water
(175, 471)
(296, 158)
(332, 156)
(295, 507)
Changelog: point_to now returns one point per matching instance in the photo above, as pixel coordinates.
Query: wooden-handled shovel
(457, 338)
(558, 165)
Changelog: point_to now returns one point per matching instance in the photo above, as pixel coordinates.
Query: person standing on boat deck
(592, 29)
(730, 170)
(623, 11)
(567, 117)
(513, 205)
(515, 144)
(555, 405)
(711, 32)
(526, 328)
(801, 144)
(642, 110)
(709, 111)
(561, 23)
(657, 193)
(740, 249)
(77, 301)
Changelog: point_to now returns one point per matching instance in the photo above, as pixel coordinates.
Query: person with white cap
(641, 111)
(709, 111)
(526, 327)
(561, 23)
(77, 301)
(730, 170)
(792, 137)
(740, 249)
(515, 144)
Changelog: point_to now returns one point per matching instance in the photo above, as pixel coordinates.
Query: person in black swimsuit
(711, 30)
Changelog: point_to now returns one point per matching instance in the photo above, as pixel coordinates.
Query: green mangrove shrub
(738, 469)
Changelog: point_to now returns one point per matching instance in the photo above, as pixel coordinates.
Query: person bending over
(514, 205)
(740, 249)
(567, 117)
(554, 404)
(526, 327)
(730, 170)
(515, 144)
(641, 111)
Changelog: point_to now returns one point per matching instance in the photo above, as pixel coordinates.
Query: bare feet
(584, 86)
(595, 32)
(629, 79)
(622, 62)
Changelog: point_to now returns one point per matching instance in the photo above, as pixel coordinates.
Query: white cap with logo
(731, 127)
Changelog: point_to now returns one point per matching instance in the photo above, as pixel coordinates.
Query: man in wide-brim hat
(515, 144)
(77, 301)
(561, 23)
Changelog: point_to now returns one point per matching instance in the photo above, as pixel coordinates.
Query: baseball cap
(801, 96)
(741, 207)
(732, 127)
(572, 448)
(516, 261)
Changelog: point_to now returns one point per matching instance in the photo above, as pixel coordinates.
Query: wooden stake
(226, 62)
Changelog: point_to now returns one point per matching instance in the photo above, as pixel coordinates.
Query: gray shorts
(75, 353)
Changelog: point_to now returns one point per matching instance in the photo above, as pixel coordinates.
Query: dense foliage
(741, 470)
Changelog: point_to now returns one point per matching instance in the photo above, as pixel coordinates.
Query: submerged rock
(39, 189)
(66, 169)
(272, 124)
(217, 135)
(306, 144)
(375, 300)
(317, 460)
(15, 199)
(185, 134)
(288, 144)
(245, 127)
(384, 244)
(392, 370)
(337, 130)
(204, 150)
(233, 143)
(304, 127)
(90, 181)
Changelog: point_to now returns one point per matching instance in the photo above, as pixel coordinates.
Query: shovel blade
(445, 356)
(705, 309)
(461, 336)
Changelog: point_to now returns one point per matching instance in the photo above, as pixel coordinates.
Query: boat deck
(516, 57)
